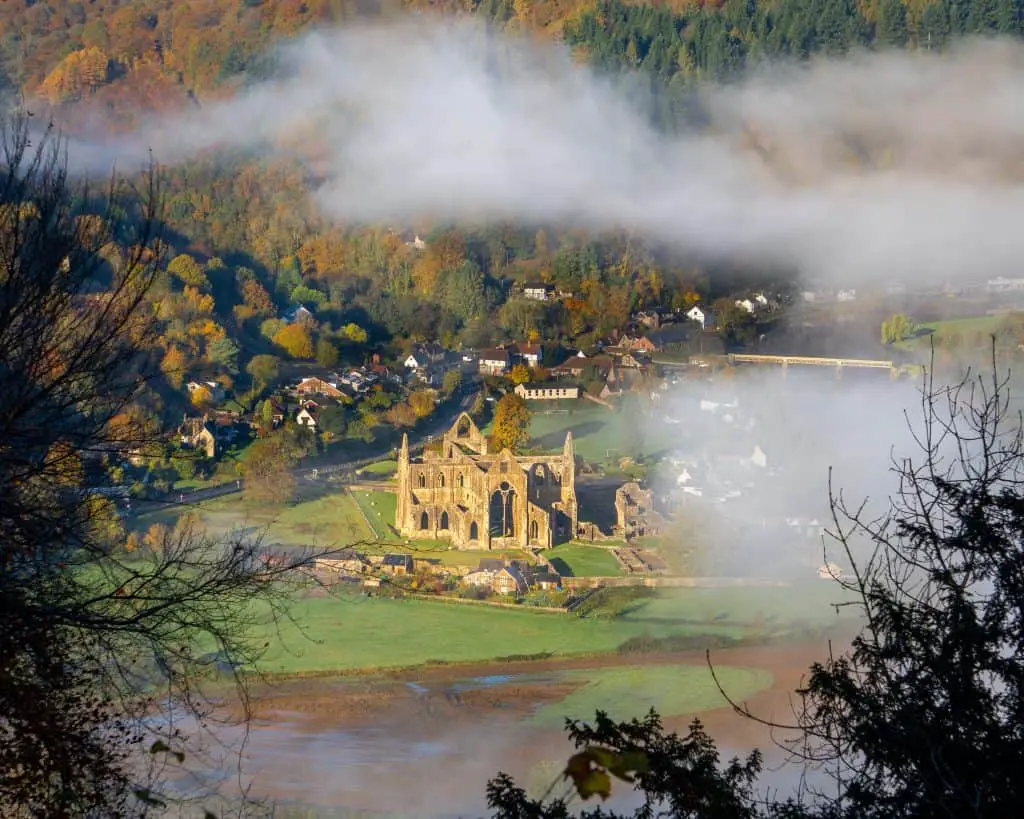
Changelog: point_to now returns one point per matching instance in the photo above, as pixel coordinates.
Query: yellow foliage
(295, 339)
(78, 73)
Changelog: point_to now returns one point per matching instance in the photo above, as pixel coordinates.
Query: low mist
(853, 169)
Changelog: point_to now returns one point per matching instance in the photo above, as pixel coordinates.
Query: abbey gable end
(482, 500)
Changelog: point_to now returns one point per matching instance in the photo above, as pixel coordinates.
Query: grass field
(977, 327)
(599, 434)
(672, 690)
(582, 561)
(328, 521)
(379, 470)
(355, 632)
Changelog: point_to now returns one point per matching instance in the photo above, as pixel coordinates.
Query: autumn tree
(511, 423)
(79, 73)
(267, 469)
(896, 328)
(326, 354)
(263, 369)
(422, 402)
(295, 340)
(520, 374)
(173, 366)
(188, 270)
(224, 353)
(94, 647)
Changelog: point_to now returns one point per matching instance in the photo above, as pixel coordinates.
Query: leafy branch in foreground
(102, 652)
(921, 715)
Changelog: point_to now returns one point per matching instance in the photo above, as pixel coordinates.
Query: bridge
(785, 361)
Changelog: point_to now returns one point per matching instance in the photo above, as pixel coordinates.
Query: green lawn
(331, 520)
(672, 690)
(379, 508)
(347, 632)
(379, 470)
(811, 603)
(973, 326)
(574, 560)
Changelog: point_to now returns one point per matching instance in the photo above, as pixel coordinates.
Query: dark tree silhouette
(921, 716)
(95, 644)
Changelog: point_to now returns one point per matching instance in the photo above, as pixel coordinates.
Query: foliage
(511, 427)
(897, 328)
(263, 369)
(919, 716)
(224, 353)
(267, 467)
(295, 340)
(93, 646)
(520, 374)
(326, 354)
(422, 402)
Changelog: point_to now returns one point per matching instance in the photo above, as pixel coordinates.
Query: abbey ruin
(481, 500)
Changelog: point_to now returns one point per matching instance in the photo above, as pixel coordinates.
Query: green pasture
(630, 692)
(379, 470)
(346, 632)
(599, 434)
(575, 560)
(330, 520)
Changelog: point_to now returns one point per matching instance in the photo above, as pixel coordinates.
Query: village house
(537, 291)
(756, 302)
(494, 361)
(313, 385)
(397, 564)
(546, 581)
(345, 562)
(215, 390)
(642, 344)
(846, 295)
(296, 313)
(704, 316)
(530, 354)
(307, 416)
(510, 580)
(548, 392)
(198, 434)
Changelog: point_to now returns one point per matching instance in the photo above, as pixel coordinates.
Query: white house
(530, 353)
(547, 392)
(846, 295)
(494, 361)
(537, 291)
(756, 302)
(306, 418)
(704, 316)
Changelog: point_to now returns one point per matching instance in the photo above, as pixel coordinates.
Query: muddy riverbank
(427, 740)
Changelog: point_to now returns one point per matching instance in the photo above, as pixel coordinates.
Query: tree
(354, 333)
(422, 402)
(295, 340)
(326, 354)
(520, 374)
(511, 423)
(452, 382)
(267, 469)
(188, 271)
(173, 366)
(83, 626)
(919, 717)
(263, 369)
(897, 328)
(224, 352)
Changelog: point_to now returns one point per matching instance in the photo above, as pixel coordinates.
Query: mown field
(346, 632)
(575, 560)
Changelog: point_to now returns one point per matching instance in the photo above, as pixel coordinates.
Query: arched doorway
(534, 530)
(440, 480)
(424, 521)
(502, 519)
(422, 480)
(444, 520)
(460, 481)
(474, 531)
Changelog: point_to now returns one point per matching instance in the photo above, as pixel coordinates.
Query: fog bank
(452, 121)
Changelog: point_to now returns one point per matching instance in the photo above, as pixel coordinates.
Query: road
(417, 440)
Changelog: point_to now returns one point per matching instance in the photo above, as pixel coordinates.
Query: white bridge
(813, 361)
